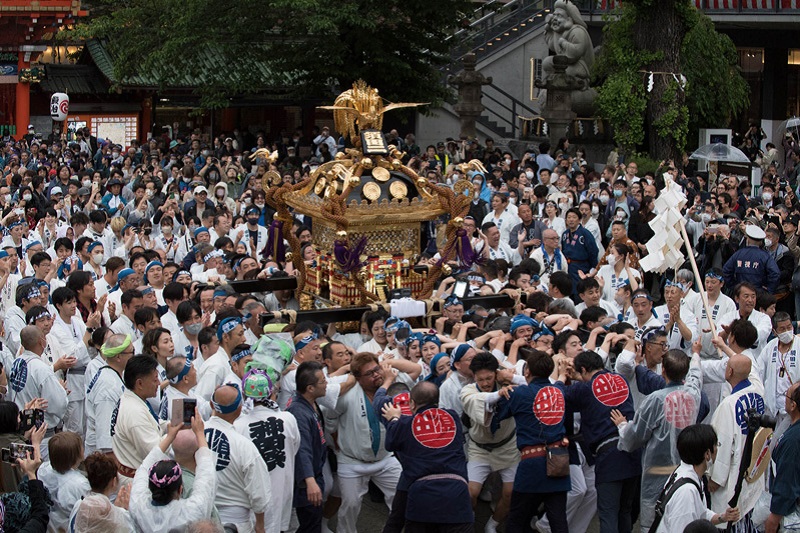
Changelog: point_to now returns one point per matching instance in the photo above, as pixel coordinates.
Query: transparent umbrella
(789, 124)
(720, 152)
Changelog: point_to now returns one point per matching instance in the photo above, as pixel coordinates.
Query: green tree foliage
(315, 48)
(666, 36)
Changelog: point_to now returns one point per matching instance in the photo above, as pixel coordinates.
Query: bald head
(425, 393)
(115, 341)
(739, 366)
(549, 233)
(30, 337)
(184, 447)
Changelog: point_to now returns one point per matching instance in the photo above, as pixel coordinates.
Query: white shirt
(355, 437)
(686, 505)
(244, 484)
(761, 321)
(65, 491)
(124, 326)
(212, 374)
(610, 307)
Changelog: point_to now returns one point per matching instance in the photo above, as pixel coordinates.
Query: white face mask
(612, 260)
(705, 217)
(786, 337)
(767, 243)
(563, 207)
(595, 210)
(508, 161)
(512, 200)
(87, 184)
(767, 196)
(26, 197)
(604, 199)
(97, 258)
(149, 193)
(529, 173)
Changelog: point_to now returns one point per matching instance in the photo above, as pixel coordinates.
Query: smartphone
(16, 451)
(460, 288)
(183, 411)
(30, 418)
(713, 228)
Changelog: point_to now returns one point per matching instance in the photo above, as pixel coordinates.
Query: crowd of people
(132, 401)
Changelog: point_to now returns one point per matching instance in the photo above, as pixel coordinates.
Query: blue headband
(431, 338)
(226, 409)
(400, 324)
(220, 292)
(670, 283)
(413, 337)
(152, 264)
(187, 366)
(452, 301)
(200, 230)
(124, 273)
(180, 273)
(543, 332)
(436, 358)
(3, 254)
(126, 226)
(147, 290)
(305, 341)
(32, 244)
(460, 351)
(212, 254)
(15, 224)
(228, 325)
(238, 356)
(715, 276)
(648, 336)
(522, 320)
(94, 245)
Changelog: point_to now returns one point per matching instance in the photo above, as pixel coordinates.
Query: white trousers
(581, 499)
(74, 419)
(353, 483)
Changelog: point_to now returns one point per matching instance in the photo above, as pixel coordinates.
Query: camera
(16, 451)
(757, 420)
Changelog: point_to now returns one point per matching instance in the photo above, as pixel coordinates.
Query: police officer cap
(754, 232)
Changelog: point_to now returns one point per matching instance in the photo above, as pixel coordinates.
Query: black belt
(492, 446)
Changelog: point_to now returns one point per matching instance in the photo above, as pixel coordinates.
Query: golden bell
(396, 163)
(354, 181)
(362, 275)
(367, 163)
(289, 256)
(340, 155)
(341, 234)
(458, 221)
(422, 182)
(447, 269)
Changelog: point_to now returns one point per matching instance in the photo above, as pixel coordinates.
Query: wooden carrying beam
(347, 314)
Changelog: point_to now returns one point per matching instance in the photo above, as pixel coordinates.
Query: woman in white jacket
(156, 505)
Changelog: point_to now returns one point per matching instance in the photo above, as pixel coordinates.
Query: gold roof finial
(360, 108)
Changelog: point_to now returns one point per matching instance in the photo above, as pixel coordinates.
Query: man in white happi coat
(131, 300)
(27, 296)
(137, 429)
(70, 339)
(679, 321)
(730, 421)
(362, 455)
(277, 437)
(244, 489)
(31, 377)
(643, 318)
(217, 368)
(182, 377)
(779, 368)
(104, 388)
(8, 284)
(720, 305)
(745, 297)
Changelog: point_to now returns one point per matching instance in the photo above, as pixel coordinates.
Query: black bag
(666, 493)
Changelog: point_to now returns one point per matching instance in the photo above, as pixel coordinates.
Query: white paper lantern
(59, 106)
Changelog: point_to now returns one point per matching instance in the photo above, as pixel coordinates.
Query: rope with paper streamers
(680, 79)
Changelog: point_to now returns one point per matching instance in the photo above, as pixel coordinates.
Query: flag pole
(700, 284)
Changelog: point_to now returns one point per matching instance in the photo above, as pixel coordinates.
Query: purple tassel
(349, 259)
(275, 248)
(464, 252)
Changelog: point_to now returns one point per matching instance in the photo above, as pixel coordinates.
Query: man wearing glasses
(362, 455)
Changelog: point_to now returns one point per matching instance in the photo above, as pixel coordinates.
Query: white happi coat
(761, 321)
(31, 377)
(675, 340)
(69, 342)
(770, 363)
(65, 490)
(212, 374)
(730, 423)
(722, 307)
(136, 432)
(277, 438)
(177, 513)
(103, 393)
(243, 480)
(450, 392)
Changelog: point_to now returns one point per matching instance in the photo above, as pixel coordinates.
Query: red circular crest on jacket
(610, 389)
(403, 401)
(679, 409)
(548, 406)
(434, 428)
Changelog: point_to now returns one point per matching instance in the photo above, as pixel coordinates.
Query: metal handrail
(512, 109)
(708, 6)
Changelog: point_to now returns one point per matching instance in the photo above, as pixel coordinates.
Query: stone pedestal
(557, 109)
(469, 107)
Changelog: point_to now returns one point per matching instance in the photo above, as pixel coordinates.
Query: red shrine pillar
(23, 101)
